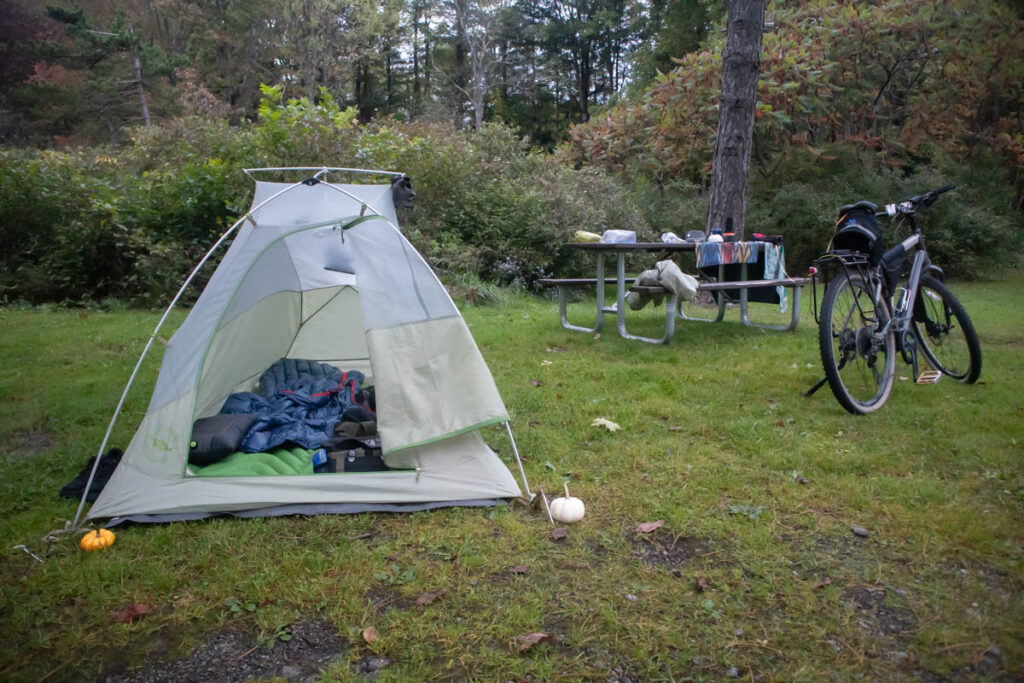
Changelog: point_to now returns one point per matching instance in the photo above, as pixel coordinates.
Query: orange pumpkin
(97, 540)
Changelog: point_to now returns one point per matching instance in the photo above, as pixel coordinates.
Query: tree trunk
(583, 77)
(741, 64)
(416, 97)
(460, 61)
(137, 68)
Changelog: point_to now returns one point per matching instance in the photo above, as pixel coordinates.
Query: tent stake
(519, 461)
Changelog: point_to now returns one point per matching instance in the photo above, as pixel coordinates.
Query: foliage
(91, 224)
(891, 78)
(68, 67)
(886, 97)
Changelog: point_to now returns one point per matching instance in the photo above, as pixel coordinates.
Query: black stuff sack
(217, 436)
(858, 230)
(359, 454)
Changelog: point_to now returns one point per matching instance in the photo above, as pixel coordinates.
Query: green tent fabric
(320, 271)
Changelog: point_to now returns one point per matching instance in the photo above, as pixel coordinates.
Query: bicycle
(870, 310)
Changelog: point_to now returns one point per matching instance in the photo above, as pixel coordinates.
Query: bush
(95, 223)
(969, 232)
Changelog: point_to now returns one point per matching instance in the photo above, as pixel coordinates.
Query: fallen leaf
(648, 527)
(370, 635)
(546, 362)
(675, 429)
(559, 533)
(801, 480)
(702, 585)
(824, 582)
(597, 336)
(536, 382)
(559, 397)
(520, 569)
(555, 349)
(132, 612)
(859, 531)
(428, 598)
(606, 423)
(528, 640)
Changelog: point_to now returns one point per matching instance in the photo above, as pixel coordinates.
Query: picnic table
(723, 264)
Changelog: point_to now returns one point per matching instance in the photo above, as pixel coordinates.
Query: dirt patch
(380, 600)
(369, 666)
(875, 613)
(31, 441)
(988, 666)
(234, 655)
(662, 549)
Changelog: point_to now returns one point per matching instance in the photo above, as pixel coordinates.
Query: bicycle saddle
(862, 204)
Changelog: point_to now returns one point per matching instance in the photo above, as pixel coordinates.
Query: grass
(755, 573)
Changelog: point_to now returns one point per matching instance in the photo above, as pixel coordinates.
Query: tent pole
(249, 171)
(152, 337)
(519, 461)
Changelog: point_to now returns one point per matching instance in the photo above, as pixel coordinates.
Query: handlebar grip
(927, 198)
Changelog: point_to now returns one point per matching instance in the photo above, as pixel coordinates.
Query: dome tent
(319, 271)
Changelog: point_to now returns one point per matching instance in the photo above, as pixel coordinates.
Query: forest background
(125, 126)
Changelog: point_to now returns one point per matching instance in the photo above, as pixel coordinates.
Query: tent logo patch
(164, 442)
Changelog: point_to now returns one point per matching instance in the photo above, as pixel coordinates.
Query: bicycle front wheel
(945, 333)
(858, 347)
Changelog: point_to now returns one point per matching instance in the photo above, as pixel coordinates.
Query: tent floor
(304, 509)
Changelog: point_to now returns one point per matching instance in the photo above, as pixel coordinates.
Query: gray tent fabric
(320, 272)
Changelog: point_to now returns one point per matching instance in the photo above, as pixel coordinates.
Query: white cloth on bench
(665, 274)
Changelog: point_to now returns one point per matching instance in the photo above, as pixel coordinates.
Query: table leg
(601, 310)
(671, 304)
(719, 300)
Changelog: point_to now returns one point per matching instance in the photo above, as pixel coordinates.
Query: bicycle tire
(860, 364)
(952, 349)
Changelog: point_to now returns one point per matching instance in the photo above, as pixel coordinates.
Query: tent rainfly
(318, 271)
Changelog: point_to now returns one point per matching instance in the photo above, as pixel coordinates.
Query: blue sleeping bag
(299, 401)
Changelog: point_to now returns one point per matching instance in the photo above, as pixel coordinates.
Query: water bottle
(320, 462)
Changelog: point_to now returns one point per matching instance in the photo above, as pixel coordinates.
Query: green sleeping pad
(278, 462)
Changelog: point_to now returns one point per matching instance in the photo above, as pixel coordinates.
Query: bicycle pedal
(929, 377)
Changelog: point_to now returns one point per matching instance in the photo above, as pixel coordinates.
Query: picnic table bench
(732, 285)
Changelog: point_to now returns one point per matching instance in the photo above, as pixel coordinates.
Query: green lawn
(755, 573)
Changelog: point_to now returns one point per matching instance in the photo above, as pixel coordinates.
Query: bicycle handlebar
(929, 197)
(923, 200)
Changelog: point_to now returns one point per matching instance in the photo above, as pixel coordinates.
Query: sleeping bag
(299, 401)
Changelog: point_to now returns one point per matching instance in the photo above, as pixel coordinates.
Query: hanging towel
(775, 269)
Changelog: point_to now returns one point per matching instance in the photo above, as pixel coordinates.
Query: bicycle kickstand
(819, 385)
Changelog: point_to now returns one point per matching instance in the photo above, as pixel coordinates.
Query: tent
(318, 270)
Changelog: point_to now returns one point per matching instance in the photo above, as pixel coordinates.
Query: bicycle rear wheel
(945, 333)
(859, 358)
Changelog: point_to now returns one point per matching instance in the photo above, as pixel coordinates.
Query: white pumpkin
(568, 509)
